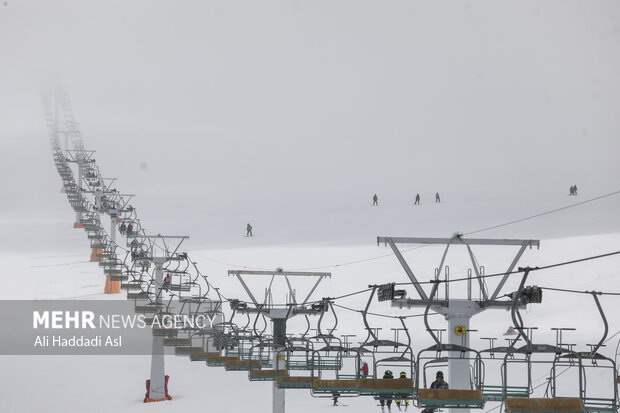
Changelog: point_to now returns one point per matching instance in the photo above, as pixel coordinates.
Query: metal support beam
(483, 289)
(410, 274)
(411, 303)
(279, 363)
(509, 270)
(470, 241)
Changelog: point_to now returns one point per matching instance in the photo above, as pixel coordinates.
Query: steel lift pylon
(279, 316)
(159, 253)
(457, 312)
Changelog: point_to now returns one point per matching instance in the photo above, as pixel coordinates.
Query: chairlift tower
(118, 203)
(457, 311)
(159, 253)
(82, 158)
(279, 314)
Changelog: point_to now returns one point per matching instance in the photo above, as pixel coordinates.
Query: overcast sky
(242, 108)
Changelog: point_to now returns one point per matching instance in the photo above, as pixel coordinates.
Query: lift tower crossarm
(470, 241)
(276, 272)
(523, 243)
(285, 274)
(73, 153)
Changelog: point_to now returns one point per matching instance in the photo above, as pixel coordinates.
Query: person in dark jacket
(382, 402)
(437, 199)
(248, 230)
(375, 200)
(417, 199)
(439, 382)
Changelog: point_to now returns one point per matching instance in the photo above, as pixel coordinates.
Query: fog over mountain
(291, 115)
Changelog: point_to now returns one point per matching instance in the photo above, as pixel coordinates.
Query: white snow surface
(57, 267)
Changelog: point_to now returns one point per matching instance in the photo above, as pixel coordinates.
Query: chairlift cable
(382, 315)
(520, 271)
(545, 213)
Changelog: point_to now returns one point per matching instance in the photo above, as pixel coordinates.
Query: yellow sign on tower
(460, 330)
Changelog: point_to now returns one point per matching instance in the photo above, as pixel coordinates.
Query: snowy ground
(60, 270)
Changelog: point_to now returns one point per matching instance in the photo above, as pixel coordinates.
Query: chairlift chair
(449, 398)
(298, 358)
(505, 388)
(589, 364)
(343, 384)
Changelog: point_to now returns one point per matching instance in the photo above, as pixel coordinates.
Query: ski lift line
(357, 261)
(614, 335)
(547, 380)
(522, 270)
(577, 291)
(352, 294)
(381, 315)
(228, 264)
(545, 213)
(495, 408)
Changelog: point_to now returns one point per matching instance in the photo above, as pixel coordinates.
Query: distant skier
(572, 190)
(575, 189)
(375, 200)
(382, 402)
(248, 230)
(437, 199)
(417, 199)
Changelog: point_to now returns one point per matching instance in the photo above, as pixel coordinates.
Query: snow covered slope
(75, 384)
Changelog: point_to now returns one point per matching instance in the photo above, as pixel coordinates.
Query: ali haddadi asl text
(78, 341)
